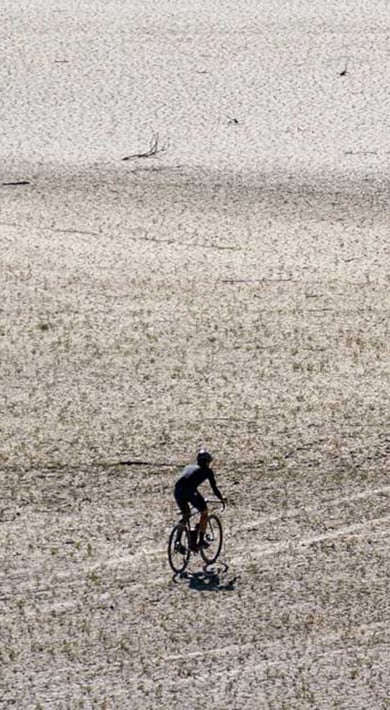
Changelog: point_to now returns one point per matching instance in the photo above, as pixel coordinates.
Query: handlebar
(216, 500)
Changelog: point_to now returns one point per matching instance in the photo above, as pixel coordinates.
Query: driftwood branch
(136, 462)
(16, 183)
(153, 149)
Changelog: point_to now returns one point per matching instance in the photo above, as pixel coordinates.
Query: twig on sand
(153, 150)
(344, 71)
(17, 182)
(360, 152)
(136, 462)
(263, 280)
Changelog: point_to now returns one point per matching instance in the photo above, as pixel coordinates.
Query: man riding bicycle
(186, 491)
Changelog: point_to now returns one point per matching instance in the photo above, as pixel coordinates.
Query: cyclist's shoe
(203, 544)
(180, 548)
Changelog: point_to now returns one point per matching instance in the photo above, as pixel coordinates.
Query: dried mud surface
(145, 311)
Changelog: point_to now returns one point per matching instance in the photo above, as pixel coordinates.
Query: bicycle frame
(179, 554)
(195, 511)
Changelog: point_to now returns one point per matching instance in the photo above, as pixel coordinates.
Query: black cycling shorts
(185, 495)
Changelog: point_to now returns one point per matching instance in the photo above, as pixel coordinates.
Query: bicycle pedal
(180, 548)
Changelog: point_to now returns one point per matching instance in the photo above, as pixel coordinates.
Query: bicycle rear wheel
(178, 548)
(214, 538)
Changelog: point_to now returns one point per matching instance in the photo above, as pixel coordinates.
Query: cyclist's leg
(185, 510)
(200, 504)
(203, 521)
(182, 502)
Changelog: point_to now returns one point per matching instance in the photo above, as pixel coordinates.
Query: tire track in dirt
(253, 659)
(137, 559)
(355, 530)
(235, 648)
(320, 506)
(19, 584)
(242, 560)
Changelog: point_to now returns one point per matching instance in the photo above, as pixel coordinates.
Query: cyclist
(186, 491)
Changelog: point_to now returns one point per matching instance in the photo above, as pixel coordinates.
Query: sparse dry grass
(142, 316)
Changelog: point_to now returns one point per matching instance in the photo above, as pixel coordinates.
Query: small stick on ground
(16, 183)
(153, 150)
(136, 462)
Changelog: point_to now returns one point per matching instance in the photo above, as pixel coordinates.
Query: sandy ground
(152, 305)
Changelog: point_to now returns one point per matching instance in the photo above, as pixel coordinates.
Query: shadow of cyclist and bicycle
(211, 578)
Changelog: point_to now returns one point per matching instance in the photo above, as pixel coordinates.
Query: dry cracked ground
(146, 311)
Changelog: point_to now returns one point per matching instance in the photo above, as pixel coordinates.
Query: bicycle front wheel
(178, 548)
(214, 538)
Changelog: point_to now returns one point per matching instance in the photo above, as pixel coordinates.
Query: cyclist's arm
(214, 486)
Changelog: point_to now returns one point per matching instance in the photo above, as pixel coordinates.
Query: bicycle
(182, 538)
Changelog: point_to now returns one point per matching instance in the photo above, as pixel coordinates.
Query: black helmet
(203, 457)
